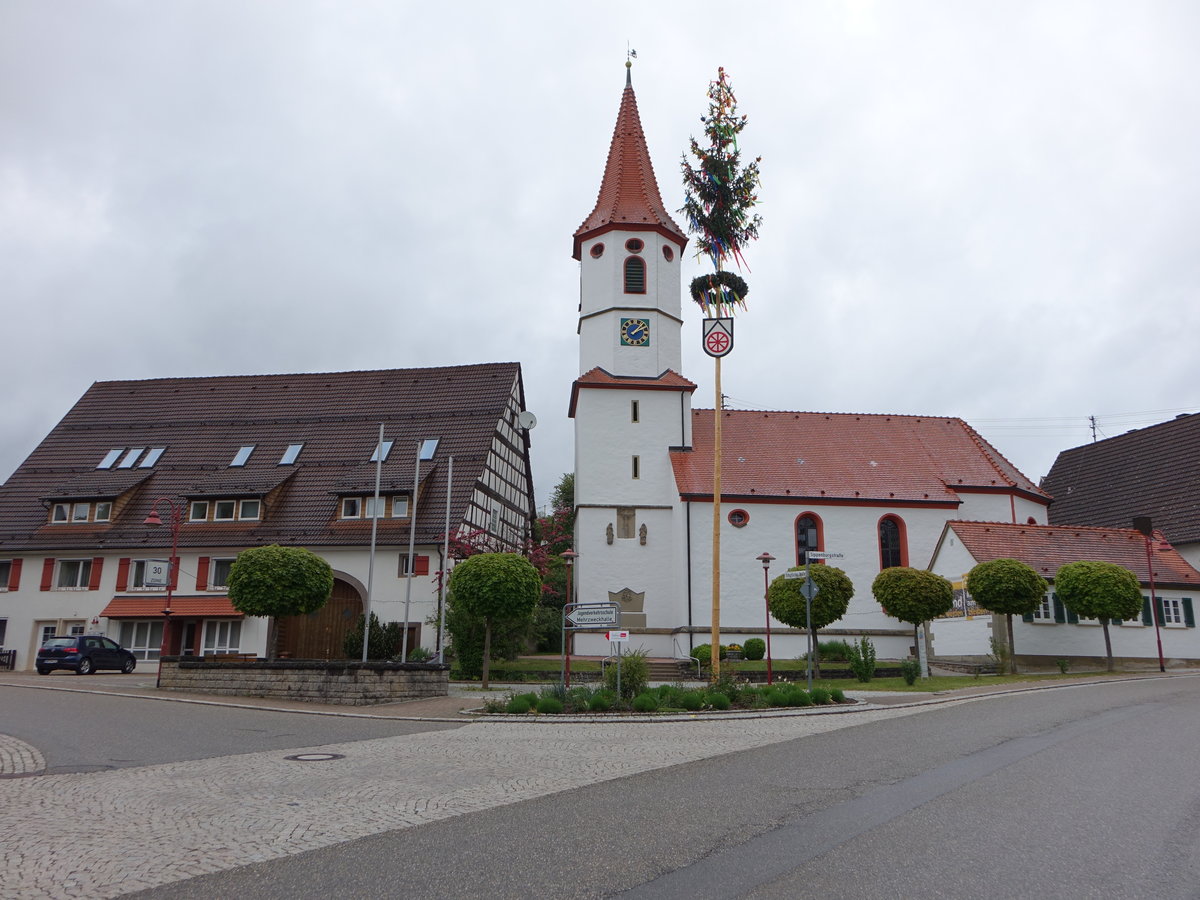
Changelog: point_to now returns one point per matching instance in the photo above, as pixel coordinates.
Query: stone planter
(317, 681)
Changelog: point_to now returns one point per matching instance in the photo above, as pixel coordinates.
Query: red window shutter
(123, 574)
(421, 565)
(97, 568)
(14, 575)
(47, 574)
(202, 574)
(174, 572)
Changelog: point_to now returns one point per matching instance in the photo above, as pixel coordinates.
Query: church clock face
(635, 332)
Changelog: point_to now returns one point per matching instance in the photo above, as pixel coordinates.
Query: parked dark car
(84, 654)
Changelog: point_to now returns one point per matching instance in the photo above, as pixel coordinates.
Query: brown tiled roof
(1047, 547)
(629, 196)
(203, 421)
(152, 607)
(845, 457)
(669, 380)
(1152, 472)
(96, 485)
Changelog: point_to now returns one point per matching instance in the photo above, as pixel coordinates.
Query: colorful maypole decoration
(719, 194)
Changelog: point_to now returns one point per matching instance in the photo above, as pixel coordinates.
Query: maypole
(719, 193)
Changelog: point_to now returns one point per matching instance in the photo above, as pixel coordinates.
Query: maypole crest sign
(718, 336)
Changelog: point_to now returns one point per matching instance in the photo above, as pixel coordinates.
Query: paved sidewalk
(170, 822)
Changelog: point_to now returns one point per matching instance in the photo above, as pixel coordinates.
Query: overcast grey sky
(980, 209)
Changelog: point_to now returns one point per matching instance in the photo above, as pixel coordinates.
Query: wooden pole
(716, 551)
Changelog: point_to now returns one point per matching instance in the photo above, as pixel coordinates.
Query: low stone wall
(346, 682)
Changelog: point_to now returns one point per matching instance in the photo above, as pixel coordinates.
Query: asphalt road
(1089, 791)
(79, 732)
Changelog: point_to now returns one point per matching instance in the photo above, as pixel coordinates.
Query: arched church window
(635, 275)
(891, 542)
(808, 536)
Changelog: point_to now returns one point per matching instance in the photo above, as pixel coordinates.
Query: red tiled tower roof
(1048, 547)
(599, 378)
(845, 457)
(629, 196)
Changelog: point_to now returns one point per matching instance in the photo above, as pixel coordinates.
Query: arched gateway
(320, 635)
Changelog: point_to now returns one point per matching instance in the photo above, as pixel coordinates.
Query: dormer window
(635, 275)
(242, 455)
(81, 513)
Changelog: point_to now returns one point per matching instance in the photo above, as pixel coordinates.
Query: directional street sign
(594, 616)
(792, 575)
(821, 554)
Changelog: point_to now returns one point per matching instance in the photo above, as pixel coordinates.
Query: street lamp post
(766, 559)
(176, 520)
(568, 557)
(1144, 525)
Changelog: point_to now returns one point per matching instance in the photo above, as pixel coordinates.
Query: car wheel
(42, 670)
(129, 666)
(85, 667)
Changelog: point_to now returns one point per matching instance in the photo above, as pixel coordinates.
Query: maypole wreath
(719, 194)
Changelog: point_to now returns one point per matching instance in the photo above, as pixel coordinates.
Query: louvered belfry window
(635, 275)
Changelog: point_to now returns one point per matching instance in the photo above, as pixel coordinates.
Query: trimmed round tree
(787, 603)
(495, 588)
(912, 595)
(1099, 590)
(275, 581)
(1007, 587)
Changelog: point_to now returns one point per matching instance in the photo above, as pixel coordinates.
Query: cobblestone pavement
(170, 822)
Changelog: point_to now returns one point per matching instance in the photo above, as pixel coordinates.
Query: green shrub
(754, 648)
(800, 697)
(910, 671)
(418, 654)
(645, 703)
(834, 650)
(838, 695)
(690, 700)
(820, 697)
(1063, 665)
(862, 659)
(601, 701)
(775, 697)
(518, 705)
(703, 652)
(635, 673)
(385, 640)
(549, 705)
(717, 700)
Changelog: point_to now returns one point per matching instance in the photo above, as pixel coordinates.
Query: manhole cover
(315, 757)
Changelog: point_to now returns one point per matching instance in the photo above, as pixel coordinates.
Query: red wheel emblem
(717, 342)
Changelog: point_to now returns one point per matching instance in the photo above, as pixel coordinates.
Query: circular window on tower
(738, 518)
(597, 251)
(633, 245)
(668, 253)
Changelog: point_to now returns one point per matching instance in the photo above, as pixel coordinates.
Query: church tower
(630, 404)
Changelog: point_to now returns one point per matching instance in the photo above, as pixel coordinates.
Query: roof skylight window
(130, 458)
(242, 455)
(290, 454)
(110, 457)
(377, 456)
(428, 448)
(151, 457)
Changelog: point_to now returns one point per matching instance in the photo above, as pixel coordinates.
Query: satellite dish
(527, 420)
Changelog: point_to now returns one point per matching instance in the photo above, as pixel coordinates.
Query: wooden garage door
(320, 635)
